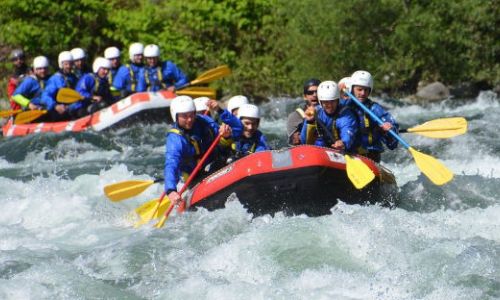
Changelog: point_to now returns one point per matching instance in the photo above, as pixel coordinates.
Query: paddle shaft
(377, 119)
(195, 172)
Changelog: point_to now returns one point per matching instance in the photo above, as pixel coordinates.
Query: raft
(303, 179)
(125, 110)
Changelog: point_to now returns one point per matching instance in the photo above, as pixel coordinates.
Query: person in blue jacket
(29, 92)
(117, 76)
(159, 75)
(127, 83)
(251, 139)
(189, 138)
(94, 88)
(329, 125)
(371, 136)
(64, 77)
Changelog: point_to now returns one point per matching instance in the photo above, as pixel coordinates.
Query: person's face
(311, 95)
(137, 59)
(18, 61)
(330, 106)
(250, 126)
(115, 62)
(234, 112)
(102, 72)
(361, 92)
(67, 66)
(78, 63)
(41, 72)
(152, 61)
(186, 120)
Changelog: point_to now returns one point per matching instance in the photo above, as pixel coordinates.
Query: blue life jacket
(185, 147)
(161, 77)
(89, 85)
(129, 80)
(341, 125)
(370, 136)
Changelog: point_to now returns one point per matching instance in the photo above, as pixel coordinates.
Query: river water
(60, 238)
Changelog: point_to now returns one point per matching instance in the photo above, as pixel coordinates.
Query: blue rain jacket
(30, 88)
(184, 148)
(342, 124)
(371, 137)
(89, 85)
(55, 82)
(161, 77)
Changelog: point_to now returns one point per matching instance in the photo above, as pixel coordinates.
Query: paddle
(209, 76)
(68, 96)
(198, 91)
(127, 189)
(8, 113)
(440, 128)
(431, 167)
(28, 116)
(357, 171)
(188, 181)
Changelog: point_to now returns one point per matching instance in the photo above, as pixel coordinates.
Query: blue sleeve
(27, 88)
(385, 116)
(213, 125)
(262, 143)
(232, 121)
(173, 157)
(171, 71)
(85, 86)
(347, 126)
(49, 94)
(120, 79)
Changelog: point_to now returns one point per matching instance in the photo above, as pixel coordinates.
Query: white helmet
(201, 103)
(134, 49)
(361, 78)
(346, 82)
(181, 104)
(101, 62)
(78, 53)
(40, 62)
(64, 56)
(249, 111)
(151, 51)
(235, 102)
(111, 52)
(328, 91)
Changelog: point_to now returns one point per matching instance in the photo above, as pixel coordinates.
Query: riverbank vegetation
(272, 46)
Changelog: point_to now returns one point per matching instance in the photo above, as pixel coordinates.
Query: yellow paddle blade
(151, 210)
(198, 91)
(358, 172)
(28, 116)
(441, 128)
(126, 189)
(8, 113)
(212, 75)
(68, 96)
(431, 167)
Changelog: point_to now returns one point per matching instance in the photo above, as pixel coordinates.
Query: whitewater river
(60, 238)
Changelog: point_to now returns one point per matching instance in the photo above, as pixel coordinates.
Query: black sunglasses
(311, 92)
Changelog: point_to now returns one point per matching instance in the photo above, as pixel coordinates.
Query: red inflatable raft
(303, 179)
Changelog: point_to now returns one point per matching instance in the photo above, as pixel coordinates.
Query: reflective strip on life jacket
(133, 81)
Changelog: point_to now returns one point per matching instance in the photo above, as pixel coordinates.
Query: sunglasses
(311, 92)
